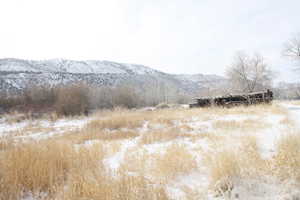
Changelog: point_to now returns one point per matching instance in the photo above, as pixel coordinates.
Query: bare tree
(292, 47)
(292, 50)
(249, 73)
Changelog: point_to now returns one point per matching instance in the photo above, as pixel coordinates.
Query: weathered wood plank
(235, 99)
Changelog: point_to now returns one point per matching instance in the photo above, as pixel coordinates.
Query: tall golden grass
(160, 136)
(248, 125)
(67, 168)
(226, 165)
(287, 160)
(34, 167)
(5, 143)
(117, 121)
(63, 171)
(177, 160)
(91, 184)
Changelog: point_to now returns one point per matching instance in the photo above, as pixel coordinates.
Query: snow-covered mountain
(74, 67)
(17, 74)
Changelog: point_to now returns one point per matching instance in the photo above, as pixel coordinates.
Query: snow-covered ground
(195, 134)
(40, 129)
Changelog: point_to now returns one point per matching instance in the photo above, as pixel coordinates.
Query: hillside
(17, 74)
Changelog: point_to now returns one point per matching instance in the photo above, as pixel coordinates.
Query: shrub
(72, 100)
(41, 95)
(28, 99)
(7, 102)
(126, 97)
(101, 98)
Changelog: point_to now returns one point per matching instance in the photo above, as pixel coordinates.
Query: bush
(33, 97)
(126, 97)
(101, 98)
(77, 99)
(6, 102)
(108, 97)
(72, 100)
(40, 95)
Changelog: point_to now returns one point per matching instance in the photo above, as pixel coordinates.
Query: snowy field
(209, 153)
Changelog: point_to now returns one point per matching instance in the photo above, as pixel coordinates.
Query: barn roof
(232, 95)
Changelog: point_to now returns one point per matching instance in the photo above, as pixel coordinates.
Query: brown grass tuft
(287, 160)
(107, 135)
(227, 165)
(91, 184)
(223, 166)
(34, 167)
(5, 143)
(248, 125)
(175, 161)
(159, 136)
(41, 167)
(126, 120)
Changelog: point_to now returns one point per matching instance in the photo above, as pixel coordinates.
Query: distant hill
(17, 74)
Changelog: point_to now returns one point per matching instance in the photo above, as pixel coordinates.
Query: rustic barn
(234, 99)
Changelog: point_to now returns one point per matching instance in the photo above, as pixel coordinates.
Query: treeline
(80, 98)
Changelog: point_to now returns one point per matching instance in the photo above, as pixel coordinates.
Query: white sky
(176, 36)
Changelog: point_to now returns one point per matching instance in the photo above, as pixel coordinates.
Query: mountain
(17, 74)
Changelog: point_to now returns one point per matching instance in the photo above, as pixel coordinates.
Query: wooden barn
(234, 99)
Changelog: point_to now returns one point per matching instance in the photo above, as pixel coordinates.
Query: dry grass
(136, 160)
(167, 118)
(177, 160)
(211, 136)
(260, 109)
(117, 122)
(65, 167)
(32, 128)
(122, 118)
(34, 167)
(287, 121)
(287, 161)
(248, 125)
(295, 102)
(227, 165)
(59, 170)
(16, 117)
(5, 143)
(41, 167)
(119, 135)
(224, 167)
(162, 166)
(91, 184)
(251, 161)
(83, 135)
(160, 136)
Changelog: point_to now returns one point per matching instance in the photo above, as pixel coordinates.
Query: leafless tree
(249, 73)
(292, 50)
(292, 47)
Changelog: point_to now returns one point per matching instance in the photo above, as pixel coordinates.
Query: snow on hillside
(71, 66)
(16, 74)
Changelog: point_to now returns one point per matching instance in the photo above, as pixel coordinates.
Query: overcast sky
(176, 36)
